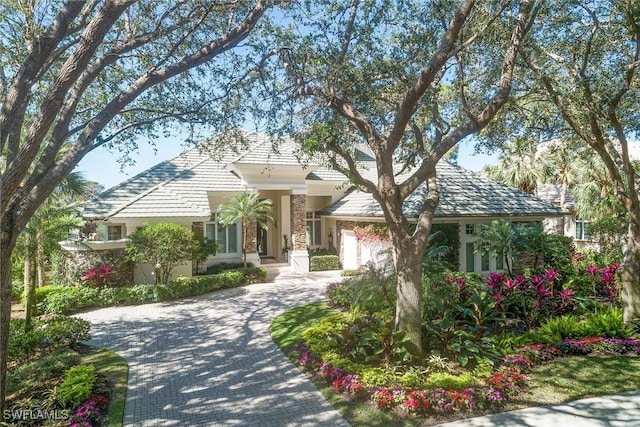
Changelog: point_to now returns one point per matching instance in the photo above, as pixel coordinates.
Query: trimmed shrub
(447, 381)
(324, 263)
(65, 300)
(318, 337)
(69, 299)
(224, 266)
(377, 377)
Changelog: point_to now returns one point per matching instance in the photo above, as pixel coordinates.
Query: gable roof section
(179, 187)
(462, 194)
(264, 152)
(176, 187)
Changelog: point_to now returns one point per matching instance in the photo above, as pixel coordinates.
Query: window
(314, 229)
(499, 262)
(225, 237)
(581, 230)
(485, 262)
(469, 229)
(114, 232)
(470, 257)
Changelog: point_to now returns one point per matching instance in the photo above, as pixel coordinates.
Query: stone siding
(298, 222)
(121, 270)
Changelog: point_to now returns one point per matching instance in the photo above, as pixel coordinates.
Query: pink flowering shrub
(97, 276)
(530, 299)
(89, 413)
(371, 233)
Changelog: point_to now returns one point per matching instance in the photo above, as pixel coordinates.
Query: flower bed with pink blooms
(494, 391)
(92, 411)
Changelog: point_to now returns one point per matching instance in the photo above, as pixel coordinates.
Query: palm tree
(50, 224)
(248, 208)
(594, 194)
(560, 157)
(519, 166)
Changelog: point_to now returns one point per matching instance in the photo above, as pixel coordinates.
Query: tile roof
(266, 152)
(179, 187)
(551, 194)
(462, 193)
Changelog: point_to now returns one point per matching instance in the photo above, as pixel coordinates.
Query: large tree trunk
(8, 237)
(408, 263)
(630, 274)
(408, 251)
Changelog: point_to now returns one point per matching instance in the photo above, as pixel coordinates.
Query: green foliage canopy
(164, 246)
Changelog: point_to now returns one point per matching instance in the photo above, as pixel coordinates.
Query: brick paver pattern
(210, 361)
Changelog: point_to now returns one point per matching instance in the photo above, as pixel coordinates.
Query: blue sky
(102, 166)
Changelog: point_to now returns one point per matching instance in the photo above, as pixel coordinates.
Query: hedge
(70, 299)
(324, 262)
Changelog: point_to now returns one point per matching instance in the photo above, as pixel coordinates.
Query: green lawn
(565, 379)
(286, 329)
(116, 369)
(573, 378)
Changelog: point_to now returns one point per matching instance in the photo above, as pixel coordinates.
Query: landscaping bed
(492, 344)
(55, 380)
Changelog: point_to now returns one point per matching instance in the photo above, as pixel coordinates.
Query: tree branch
(14, 105)
(427, 75)
(84, 142)
(427, 168)
(92, 37)
(352, 170)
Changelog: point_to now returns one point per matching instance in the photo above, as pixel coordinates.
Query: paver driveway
(210, 361)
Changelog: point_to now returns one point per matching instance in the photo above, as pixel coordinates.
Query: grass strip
(287, 328)
(116, 369)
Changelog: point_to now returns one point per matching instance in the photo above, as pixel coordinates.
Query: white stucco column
(253, 258)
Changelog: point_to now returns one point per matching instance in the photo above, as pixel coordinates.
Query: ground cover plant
(60, 382)
(489, 342)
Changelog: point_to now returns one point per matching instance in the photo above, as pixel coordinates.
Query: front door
(262, 241)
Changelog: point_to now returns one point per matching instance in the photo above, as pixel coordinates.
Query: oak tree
(584, 60)
(408, 80)
(78, 74)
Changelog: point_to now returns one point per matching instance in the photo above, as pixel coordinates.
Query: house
(571, 224)
(314, 207)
